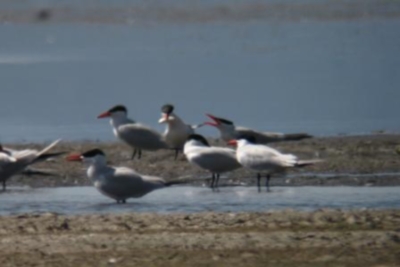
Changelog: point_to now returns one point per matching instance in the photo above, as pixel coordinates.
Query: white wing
(260, 157)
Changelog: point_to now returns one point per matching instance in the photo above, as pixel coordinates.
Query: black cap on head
(92, 153)
(199, 138)
(224, 121)
(249, 138)
(167, 109)
(118, 108)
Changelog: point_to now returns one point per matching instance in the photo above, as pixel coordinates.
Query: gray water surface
(184, 199)
(320, 77)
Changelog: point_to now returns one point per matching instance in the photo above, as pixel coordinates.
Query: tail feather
(296, 136)
(304, 163)
(44, 157)
(30, 172)
(49, 147)
(185, 180)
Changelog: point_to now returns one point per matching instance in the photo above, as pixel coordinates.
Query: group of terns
(121, 183)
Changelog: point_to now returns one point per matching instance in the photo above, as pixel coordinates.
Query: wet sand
(371, 160)
(284, 238)
(287, 238)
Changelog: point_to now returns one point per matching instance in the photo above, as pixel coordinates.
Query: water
(184, 199)
(323, 77)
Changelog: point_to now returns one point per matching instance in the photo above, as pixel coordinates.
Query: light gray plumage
(216, 160)
(176, 131)
(13, 162)
(266, 160)
(136, 135)
(118, 183)
(229, 131)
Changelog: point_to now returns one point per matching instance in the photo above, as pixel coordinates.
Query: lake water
(87, 200)
(324, 77)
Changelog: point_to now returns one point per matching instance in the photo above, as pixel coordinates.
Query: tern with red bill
(176, 131)
(118, 183)
(264, 159)
(229, 131)
(138, 136)
(216, 160)
(13, 162)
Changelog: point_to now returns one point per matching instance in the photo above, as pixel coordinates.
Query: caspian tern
(229, 131)
(138, 136)
(13, 161)
(217, 160)
(118, 183)
(176, 131)
(264, 159)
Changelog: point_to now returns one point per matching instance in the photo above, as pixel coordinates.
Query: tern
(176, 131)
(118, 183)
(217, 160)
(138, 136)
(13, 161)
(229, 131)
(264, 159)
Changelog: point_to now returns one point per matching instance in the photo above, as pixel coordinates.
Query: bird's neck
(192, 146)
(96, 168)
(176, 122)
(227, 133)
(120, 120)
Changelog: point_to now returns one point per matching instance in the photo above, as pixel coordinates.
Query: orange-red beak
(215, 122)
(74, 157)
(104, 115)
(232, 142)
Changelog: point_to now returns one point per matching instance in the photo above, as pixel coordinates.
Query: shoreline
(366, 160)
(279, 238)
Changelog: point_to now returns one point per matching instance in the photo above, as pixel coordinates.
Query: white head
(168, 115)
(115, 112)
(94, 156)
(243, 140)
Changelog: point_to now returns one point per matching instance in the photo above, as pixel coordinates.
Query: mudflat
(371, 160)
(285, 238)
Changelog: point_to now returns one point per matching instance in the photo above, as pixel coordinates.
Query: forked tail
(44, 157)
(184, 180)
(304, 163)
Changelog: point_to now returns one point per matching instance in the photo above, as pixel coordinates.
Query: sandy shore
(287, 238)
(370, 160)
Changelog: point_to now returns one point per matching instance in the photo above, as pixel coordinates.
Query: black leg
(4, 185)
(134, 154)
(217, 181)
(259, 182)
(123, 201)
(140, 153)
(209, 182)
(176, 153)
(267, 182)
(212, 181)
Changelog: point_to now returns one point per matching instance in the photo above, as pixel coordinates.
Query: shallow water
(184, 199)
(321, 77)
